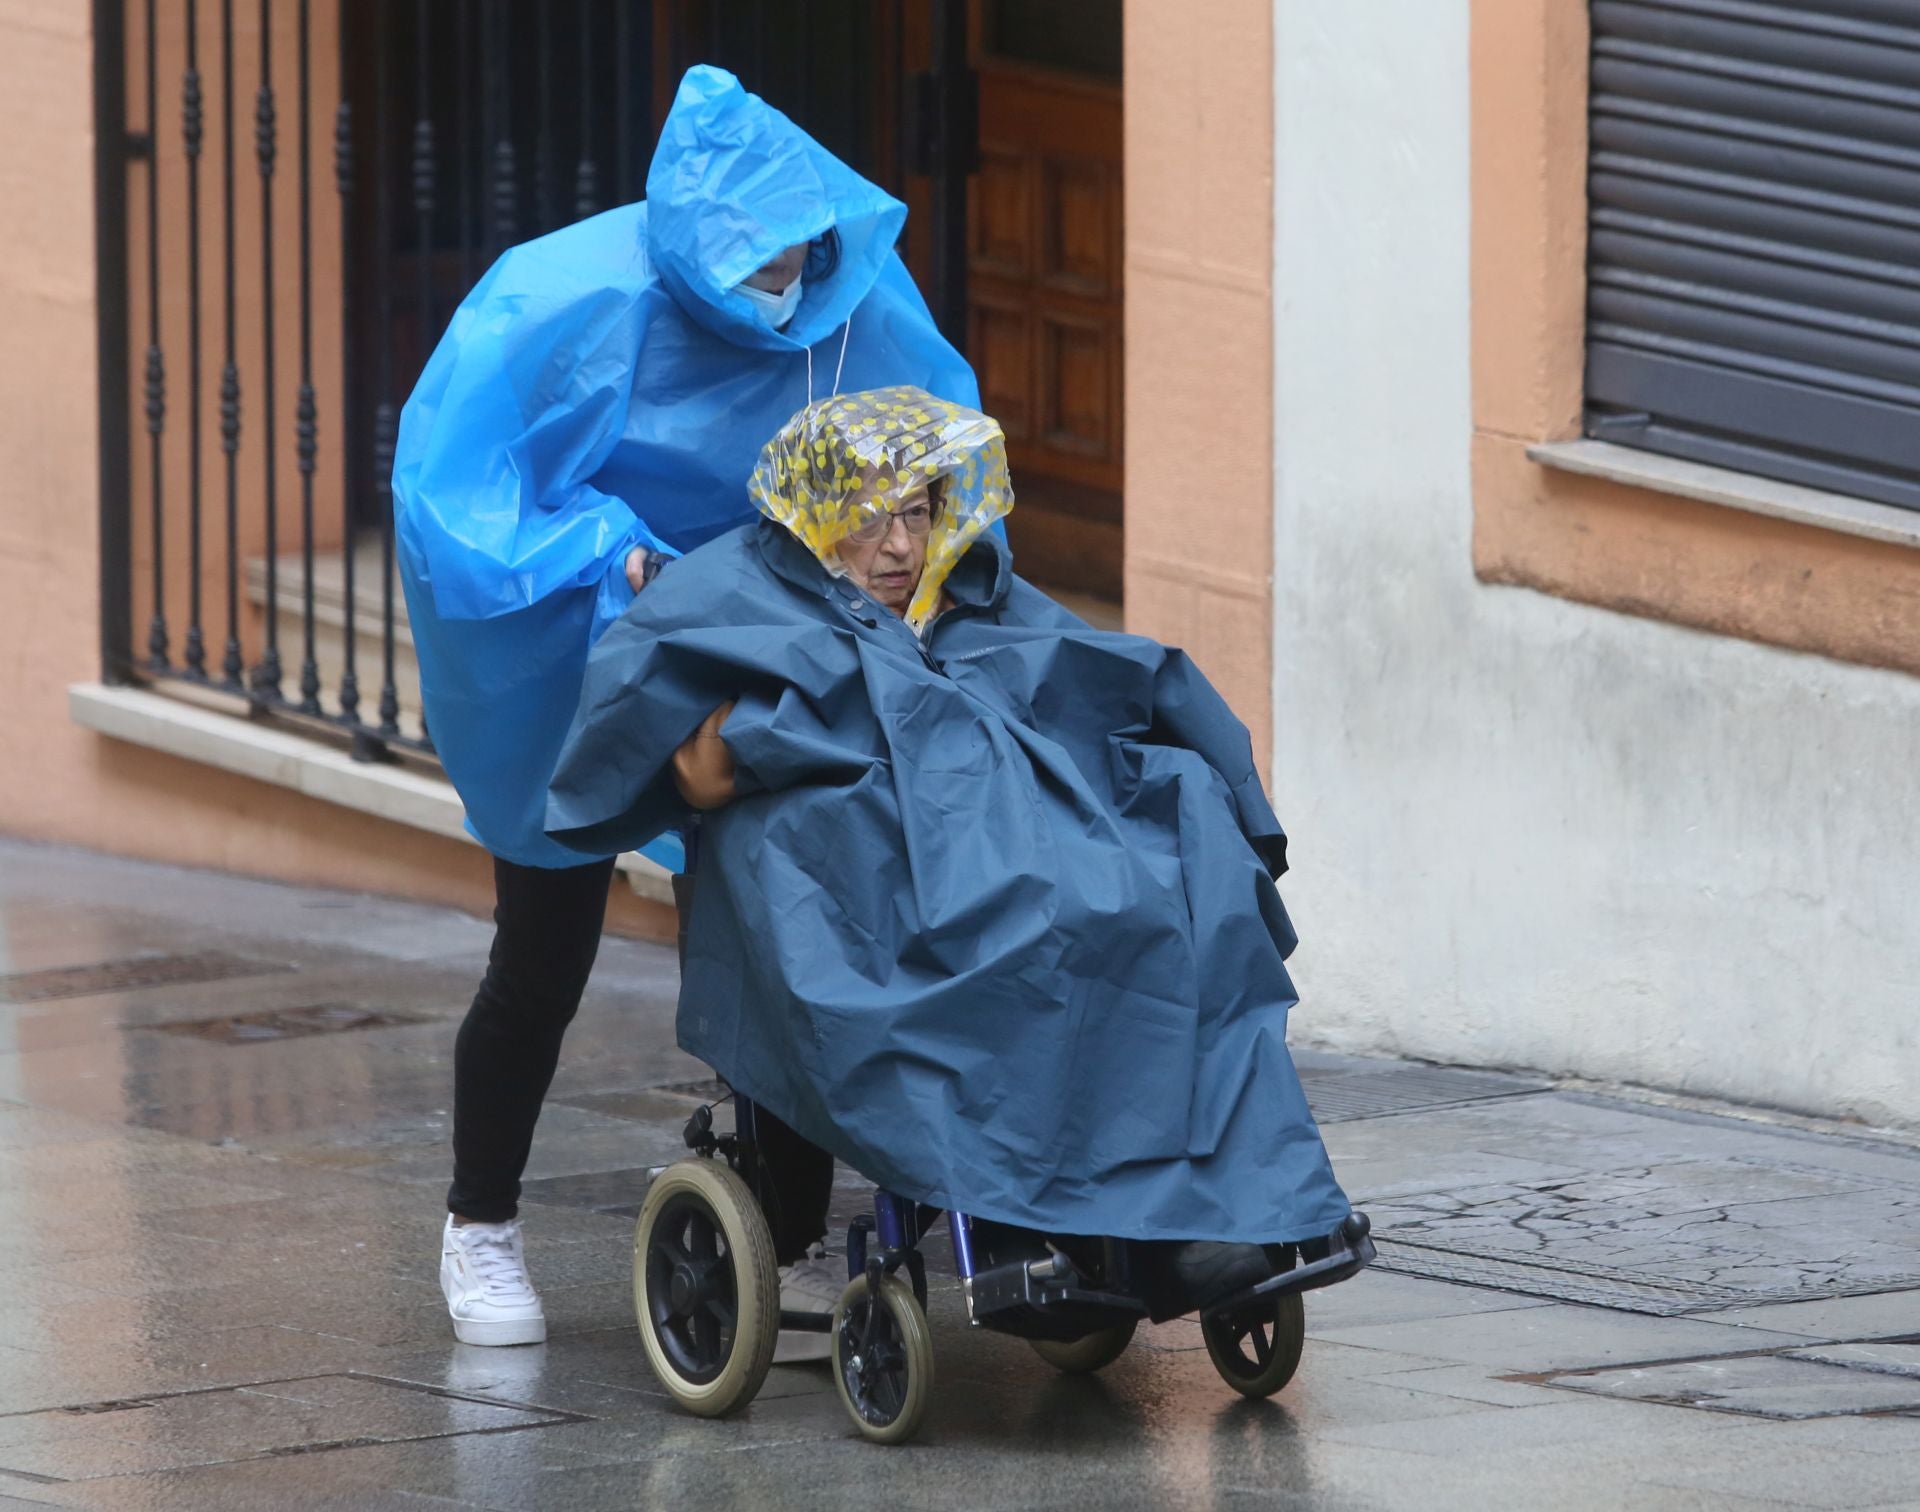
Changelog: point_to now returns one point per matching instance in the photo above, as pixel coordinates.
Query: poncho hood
(733, 184)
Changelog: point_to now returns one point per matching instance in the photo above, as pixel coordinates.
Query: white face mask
(775, 309)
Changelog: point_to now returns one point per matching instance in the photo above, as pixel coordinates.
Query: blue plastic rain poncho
(609, 386)
(993, 917)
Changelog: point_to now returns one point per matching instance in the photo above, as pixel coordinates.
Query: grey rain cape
(993, 919)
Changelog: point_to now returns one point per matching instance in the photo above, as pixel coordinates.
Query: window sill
(233, 744)
(1736, 490)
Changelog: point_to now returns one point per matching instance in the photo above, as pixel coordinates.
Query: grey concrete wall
(1527, 831)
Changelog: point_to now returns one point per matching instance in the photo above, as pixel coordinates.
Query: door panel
(1045, 306)
(1000, 340)
(1079, 202)
(1076, 381)
(999, 223)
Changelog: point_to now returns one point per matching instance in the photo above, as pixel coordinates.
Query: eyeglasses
(876, 524)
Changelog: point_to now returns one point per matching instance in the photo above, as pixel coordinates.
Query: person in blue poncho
(595, 409)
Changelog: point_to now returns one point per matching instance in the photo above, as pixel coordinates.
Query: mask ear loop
(846, 332)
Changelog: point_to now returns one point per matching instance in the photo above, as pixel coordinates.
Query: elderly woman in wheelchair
(981, 903)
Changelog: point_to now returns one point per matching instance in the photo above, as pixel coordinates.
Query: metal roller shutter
(1754, 237)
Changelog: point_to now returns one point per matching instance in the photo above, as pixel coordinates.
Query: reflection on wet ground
(223, 1120)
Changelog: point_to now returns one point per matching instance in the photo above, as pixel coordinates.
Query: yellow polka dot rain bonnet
(853, 455)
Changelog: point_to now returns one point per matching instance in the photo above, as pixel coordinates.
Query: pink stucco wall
(1199, 340)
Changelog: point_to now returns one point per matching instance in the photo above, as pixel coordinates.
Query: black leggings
(546, 933)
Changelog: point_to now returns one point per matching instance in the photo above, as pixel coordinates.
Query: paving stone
(641, 1104)
(123, 1363)
(1378, 1091)
(389, 1310)
(1558, 1337)
(1378, 1297)
(272, 1418)
(1471, 1383)
(1885, 1315)
(599, 1373)
(107, 1178)
(100, 1018)
(300, 1484)
(1583, 1467)
(602, 1190)
(1411, 1165)
(33, 1291)
(1667, 1236)
(1494, 1430)
(22, 1126)
(54, 887)
(42, 932)
(1775, 1386)
(1358, 1362)
(1243, 1459)
(185, 1214)
(599, 1308)
(1834, 1439)
(1178, 1336)
(88, 1459)
(1892, 1359)
(1750, 1466)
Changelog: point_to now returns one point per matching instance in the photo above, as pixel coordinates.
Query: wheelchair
(707, 1291)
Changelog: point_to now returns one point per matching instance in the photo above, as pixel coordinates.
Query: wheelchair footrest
(1011, 1299)
(1349, 1252)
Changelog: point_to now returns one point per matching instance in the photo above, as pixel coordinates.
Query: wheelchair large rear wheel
(882, 1359)
(1094, 1352)
(1257, 1353)
(705, 1287)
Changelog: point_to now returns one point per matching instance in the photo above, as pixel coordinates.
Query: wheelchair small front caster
(882, 1358)
(705, 1287)
(1257, 1351)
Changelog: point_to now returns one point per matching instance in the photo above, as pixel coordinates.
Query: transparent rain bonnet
(857, 456)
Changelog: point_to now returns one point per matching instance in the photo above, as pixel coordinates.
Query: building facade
(1597, 761)
(1352, 347)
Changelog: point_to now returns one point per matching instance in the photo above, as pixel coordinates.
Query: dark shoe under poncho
(993, 919)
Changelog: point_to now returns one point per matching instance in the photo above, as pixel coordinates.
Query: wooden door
(1044, 287)
(1043, 326)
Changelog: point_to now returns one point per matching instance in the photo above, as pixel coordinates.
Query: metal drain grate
(282, 1023)
(1341, 1096)
(130, 976)
(1597, 1285)
(1678, 1236)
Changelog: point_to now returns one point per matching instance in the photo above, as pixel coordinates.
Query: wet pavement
(223, 1120)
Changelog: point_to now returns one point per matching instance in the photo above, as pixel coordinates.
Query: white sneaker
(484, 1275)
(810, 1285)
